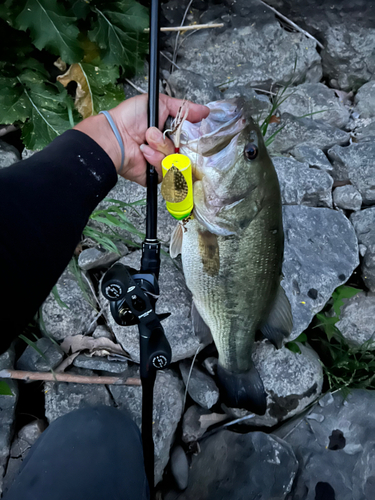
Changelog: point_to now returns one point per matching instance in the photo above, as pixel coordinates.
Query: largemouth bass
(232, 247)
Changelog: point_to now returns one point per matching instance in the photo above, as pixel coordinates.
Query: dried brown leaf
(99, 346)
(83, 100)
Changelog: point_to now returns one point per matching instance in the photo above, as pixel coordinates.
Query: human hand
(131, 120)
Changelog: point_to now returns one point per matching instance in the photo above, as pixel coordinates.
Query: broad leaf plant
(47, 44)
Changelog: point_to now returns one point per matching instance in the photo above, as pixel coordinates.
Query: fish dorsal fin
(279, 323)
(175, 245)
(201, 330)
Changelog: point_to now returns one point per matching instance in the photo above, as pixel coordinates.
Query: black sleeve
(45, 202)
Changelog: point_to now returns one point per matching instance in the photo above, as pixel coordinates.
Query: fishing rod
(133, 294)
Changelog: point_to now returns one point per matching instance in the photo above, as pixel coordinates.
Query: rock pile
(323, 150)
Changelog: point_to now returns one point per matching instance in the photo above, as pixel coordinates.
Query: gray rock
(365, 133)
(100, 364)
(31, 360)
(8, 155)
(336, 453)
(168, 407)
(192, 429)
(313, 156)
(180, 467)
(200, 386)
(259, 104)
(27, 153)
(26, 437)
(357, 320)
(174, 298)
(346, 30)
(365, 100)
(311, 99)
(339, 168)
(357, 161)
(234, 466)
(364, 225)
(130, 192)
(210, 364)
(347, 198)
(78, 318)
(297, 131)
(93, 258)
(222, 53)
(302, 185)
(102, 331)
(193, 87)
(321, 252)
(362, 249)
(291, 380)
(7, 412)
(368, 267)
(65, 397)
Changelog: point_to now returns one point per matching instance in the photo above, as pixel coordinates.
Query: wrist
(98, 128)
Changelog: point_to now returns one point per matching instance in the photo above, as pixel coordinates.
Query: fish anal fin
(279, 323)
(242, 390)
(175, 245)
(201, 330)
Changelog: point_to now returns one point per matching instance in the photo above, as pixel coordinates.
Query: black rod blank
(153, 118)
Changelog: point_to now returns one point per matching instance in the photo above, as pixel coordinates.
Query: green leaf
(101, 238)
(119, 32)
(14, 104)
(51, 27)
(43, 103)
(80, 8)
(301, 338)
(5, 390)
(292, 346)
(34, 346)
(57, 297)
(342, 292)
(75, 269)
(104, 91)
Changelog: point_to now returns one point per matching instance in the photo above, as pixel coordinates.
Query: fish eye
(251, 151)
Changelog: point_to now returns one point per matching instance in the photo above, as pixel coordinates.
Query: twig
(178, 32)
(7, 129)
(138, 89)
(190, 372)
(191, 27)
(265, 91)
(67, 377)
(295, 26)
(170, 60)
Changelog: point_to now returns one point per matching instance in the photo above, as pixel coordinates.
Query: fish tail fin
(242, 390)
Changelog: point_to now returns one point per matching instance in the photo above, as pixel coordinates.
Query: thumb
(156, 141)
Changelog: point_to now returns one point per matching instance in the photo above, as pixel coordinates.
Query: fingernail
(156, 135)
(146, 150)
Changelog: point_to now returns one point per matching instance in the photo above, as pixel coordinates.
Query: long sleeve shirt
(45, 203)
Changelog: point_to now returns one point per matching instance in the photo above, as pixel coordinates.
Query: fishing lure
(177, 185)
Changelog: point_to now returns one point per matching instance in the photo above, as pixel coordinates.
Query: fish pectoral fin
(201, 330)
(279, 323)
(242, 390)
(175, 245)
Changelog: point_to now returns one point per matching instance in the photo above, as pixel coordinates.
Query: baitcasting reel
(132, 297)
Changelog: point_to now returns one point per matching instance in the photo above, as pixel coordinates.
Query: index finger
(196, 111)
